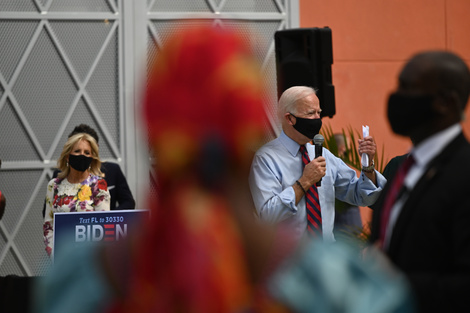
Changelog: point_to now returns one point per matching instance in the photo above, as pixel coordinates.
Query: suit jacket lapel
(432, 173)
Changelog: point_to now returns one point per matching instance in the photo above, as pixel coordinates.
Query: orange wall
(371, 41)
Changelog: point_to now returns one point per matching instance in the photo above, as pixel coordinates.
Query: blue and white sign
(73, 228)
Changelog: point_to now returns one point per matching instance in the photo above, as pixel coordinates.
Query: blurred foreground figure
(204, 113)
(338, 278)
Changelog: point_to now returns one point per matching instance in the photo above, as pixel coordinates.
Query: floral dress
(62, 196)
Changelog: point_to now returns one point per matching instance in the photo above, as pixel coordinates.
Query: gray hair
(287, 102)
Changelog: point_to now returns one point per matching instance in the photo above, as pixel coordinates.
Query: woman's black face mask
(308, 127)
(407, 113)
(80, 162)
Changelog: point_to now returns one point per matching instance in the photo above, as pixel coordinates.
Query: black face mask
(307, 126)
(80, 162)
(408, 113)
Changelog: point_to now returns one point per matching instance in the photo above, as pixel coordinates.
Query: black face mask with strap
(308, 127)
(80, 162)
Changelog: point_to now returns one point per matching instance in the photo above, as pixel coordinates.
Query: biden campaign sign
(74, 228)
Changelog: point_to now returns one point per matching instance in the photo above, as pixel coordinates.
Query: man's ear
(289, 118)
(448, 104)
(454, 102)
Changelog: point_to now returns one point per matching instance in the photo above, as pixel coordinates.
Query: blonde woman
(79, 187)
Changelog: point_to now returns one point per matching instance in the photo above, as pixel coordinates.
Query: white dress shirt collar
(291, 146)
(432, 146)
(427, 150)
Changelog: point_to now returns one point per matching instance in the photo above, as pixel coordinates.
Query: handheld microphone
(318, 141)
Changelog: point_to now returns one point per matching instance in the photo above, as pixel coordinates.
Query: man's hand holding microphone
(316, 168)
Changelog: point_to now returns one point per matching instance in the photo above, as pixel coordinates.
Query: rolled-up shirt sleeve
(360, 191)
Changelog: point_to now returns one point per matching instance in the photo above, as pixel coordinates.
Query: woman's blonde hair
(95, 166)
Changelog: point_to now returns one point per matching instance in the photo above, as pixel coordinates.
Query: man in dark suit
(425, 229)
(121, 196)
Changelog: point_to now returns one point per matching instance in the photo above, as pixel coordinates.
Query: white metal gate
(66, 62)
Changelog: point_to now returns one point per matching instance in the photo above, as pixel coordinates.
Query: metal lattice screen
(56, 71)
(66, 62)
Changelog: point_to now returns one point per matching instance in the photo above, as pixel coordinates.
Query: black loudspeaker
(303, 58)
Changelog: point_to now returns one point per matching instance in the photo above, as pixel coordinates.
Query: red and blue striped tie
(314, 222)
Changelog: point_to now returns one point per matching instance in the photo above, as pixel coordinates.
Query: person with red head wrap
(203, 108)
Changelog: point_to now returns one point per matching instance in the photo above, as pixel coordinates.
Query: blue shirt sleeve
(274, 201)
